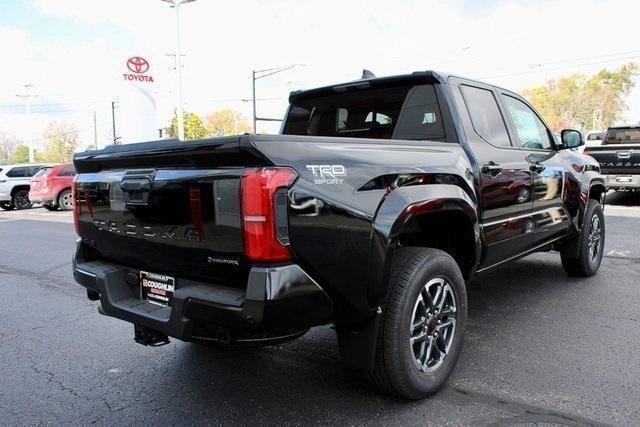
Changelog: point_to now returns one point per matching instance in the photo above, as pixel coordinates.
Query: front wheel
(585, 260)
(423, 324)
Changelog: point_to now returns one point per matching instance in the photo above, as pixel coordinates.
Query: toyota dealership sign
(137, 70)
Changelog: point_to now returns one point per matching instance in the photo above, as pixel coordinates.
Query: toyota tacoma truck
(371, 210)
(619, 157)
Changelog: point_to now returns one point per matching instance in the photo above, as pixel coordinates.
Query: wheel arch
(441, 216)
(17, 188)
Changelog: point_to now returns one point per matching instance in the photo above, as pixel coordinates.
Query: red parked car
(51, 186)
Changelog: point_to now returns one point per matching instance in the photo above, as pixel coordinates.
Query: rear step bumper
(276, 298)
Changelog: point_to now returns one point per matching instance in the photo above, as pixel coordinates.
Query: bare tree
(60, 142)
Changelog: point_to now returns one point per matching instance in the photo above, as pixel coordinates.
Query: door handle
(536, 167)
(491, 168)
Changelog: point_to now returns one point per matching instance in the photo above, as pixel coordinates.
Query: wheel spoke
(419, 324)
(421, 336)
(447, 324)
(441, 344)
(427, 356)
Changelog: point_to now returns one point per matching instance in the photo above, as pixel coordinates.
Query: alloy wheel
(21, 200)
(433, 324)
(595, 237)
(65, 201)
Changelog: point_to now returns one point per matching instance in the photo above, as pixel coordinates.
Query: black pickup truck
(370, 211)
(619, 157)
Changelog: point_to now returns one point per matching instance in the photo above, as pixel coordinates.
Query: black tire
(21, 200)
(396, 369)
(6, 206)
(577, 256)
(50, 207)
(64, 200)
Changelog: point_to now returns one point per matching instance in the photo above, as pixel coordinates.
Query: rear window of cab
(410, 112)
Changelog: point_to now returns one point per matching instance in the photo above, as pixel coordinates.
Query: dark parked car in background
(51, 186)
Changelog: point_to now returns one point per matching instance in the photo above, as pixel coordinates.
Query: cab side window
(18, 172)
(485, 115)
(532, 133)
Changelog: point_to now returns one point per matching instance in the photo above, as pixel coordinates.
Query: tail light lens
(260, 213)
(77, 207)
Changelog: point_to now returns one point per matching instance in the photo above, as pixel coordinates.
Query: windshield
(595, 136)
(401, 112)
(623, 136)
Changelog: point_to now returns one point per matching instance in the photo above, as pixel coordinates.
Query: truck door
(504, 180)
(550, 218)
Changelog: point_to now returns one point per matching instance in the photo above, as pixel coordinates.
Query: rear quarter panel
(332, 210)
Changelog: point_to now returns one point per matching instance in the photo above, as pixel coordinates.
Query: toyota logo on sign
(137, 64)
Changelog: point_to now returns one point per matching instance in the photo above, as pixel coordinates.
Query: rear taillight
(76, 206)
(264, 211)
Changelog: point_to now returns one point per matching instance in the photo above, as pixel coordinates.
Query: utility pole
(253, 99)
(114, 105)
(259, 74)
(95, 131)
(27, 101)
(175, 4)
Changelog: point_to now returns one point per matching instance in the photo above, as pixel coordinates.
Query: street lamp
(175, 4)
(27, 102)
(259, 74)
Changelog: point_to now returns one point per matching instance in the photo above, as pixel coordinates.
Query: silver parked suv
(14, 185)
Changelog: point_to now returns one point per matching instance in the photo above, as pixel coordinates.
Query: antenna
(366, 74)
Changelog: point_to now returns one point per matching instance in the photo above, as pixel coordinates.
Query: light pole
(259, 74)
(27, 101)
(175, 4)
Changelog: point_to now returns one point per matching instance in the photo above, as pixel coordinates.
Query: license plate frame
(624, 179)
(156, 288)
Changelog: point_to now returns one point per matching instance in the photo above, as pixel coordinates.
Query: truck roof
(431, 76)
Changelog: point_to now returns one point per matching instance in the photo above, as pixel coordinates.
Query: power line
(537, 69)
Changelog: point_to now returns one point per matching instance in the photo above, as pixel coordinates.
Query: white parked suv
(14, 185)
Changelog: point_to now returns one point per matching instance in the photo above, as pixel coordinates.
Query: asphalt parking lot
(540, 348)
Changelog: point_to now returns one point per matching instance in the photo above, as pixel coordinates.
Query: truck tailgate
(617, 159)
(171, 208)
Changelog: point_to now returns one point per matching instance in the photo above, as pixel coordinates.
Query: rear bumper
(277, 299)
(613, 181)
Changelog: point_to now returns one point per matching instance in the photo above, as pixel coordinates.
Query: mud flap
(357, 345)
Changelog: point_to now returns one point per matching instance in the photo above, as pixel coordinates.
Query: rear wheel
(423, 324)
(21, 199)
(6, 206)
(64, 200)
(586, 259)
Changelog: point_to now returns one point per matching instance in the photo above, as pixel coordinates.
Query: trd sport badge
(327, 174)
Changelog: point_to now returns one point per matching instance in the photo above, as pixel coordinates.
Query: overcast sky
(73, 51)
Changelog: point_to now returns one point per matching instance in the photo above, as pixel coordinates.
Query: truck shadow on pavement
(304, 381)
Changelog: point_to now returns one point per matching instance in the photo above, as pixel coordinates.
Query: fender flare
(594, 183)
(396, 209)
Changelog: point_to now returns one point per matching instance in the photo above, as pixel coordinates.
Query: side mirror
(571, 138)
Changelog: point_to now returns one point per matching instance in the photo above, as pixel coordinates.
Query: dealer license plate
(157, 288)
(623, 179)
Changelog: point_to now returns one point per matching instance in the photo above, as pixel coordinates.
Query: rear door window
(485, 115)
(18, 172)
(623, 136)
(68, 171)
